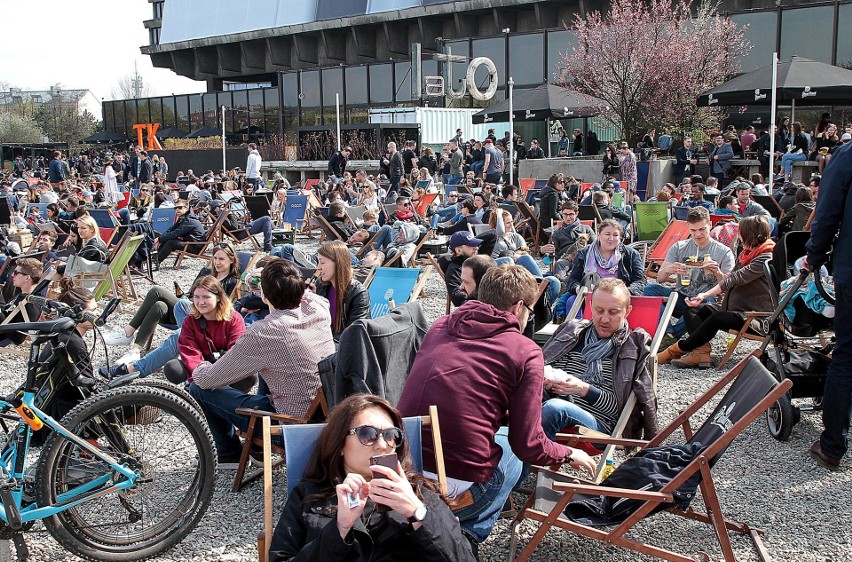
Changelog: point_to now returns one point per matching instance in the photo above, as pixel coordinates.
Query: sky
(83, 44)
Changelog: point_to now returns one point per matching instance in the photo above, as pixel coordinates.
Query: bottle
(391, 303)
(178, 290)
(608, 469)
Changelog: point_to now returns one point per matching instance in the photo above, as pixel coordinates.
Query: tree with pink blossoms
(649, 60)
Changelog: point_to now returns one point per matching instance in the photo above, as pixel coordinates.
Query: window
(526, 58)
(212, 111)
(332, 83)
(402, 81)
(356, 85)
(761, 34)
(494, 49)
(182, 111)
(290, 88)
(196, 115)
(109, 118)
(270, 101)
(559, 43)
(142, 112)
(169, 114)
(844, 39)
(310, 88)
(381, 83)
(240, 111)
(227, 100)
(459, 69)
(808, 33)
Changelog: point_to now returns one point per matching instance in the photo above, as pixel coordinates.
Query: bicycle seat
(59, 325)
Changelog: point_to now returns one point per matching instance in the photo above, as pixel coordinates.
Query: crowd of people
(255, 338)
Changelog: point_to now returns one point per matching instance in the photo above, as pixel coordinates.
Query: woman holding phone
(348, 508)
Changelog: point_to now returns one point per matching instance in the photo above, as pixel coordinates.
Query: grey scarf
(595, 350)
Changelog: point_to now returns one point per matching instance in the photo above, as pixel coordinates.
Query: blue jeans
(219, 406)
(383, 238)
(528, 263)
(479, 518)
(256, 182)
(454, 180)
(167, 350)
(837, 398)
(442, 215)
(124, 216)
(264, 225)
(558, 413)
(788, 159)
(476, 167)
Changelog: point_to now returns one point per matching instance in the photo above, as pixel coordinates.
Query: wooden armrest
(535, 469)
(612, 492)
(566, 438)
(272, 415)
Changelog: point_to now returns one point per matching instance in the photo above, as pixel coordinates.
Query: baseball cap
(742, 186)
(464, 239)
(846, 137)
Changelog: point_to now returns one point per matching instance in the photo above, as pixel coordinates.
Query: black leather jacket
(356, 305)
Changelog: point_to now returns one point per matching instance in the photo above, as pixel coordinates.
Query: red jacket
(476, 366)
(192, 345)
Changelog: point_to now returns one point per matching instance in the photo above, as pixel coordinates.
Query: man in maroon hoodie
(476, 366)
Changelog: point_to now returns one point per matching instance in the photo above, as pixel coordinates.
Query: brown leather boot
(699, 358)
(671, 352)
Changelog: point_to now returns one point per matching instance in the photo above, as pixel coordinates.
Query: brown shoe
(699, 358)
(671, 352)
(822, 459)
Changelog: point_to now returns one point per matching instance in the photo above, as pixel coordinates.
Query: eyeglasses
(180, 207)
(145, 189)
(529, 308)
(569, 215)
(368, 435)
(16, 272)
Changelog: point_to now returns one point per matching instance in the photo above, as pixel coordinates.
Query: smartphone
(389, 461)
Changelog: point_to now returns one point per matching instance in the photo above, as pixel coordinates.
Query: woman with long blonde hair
(348, 299)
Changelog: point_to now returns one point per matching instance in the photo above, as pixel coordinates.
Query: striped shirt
(285, 348)
(601, 401)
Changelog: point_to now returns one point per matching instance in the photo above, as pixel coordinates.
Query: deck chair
(770, 204)
(397, 285)
(651, 220)
(356, 214)
(301, 441)
(246, 261)
(107, 225)
(116, 275)
(317, 412)
(434, 261)
(412, 261)
(425, 202)
(589, 213)
(746, 332)
(680, 212)
(526, 184)
(477, 229)
(257, 206)
(239, 234)
(655, 255)
(162, 218)
(329, 233)
(716, 219)
(533, 226)
(753, 389)
(197, 249)
(294, 211)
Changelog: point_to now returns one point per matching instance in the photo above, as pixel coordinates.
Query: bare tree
(18, 128)
(131, 86)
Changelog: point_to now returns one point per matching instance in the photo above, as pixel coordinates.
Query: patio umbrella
(547, 101)
(204, 131)
(801, 82)
(171, 133)
(104, 137)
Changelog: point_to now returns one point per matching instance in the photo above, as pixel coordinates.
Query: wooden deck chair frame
(212, 237)
(412, 261)
(264, 538)
(532, 223)
(356, 214)
(434, 261)
(310, 222)
(234, 234)
(317, 408)
(589, 212)
(255, 256)
(119, 276)
(713, 516)
(328, 232)
(769, 203)
(416, 289)
(655, 254)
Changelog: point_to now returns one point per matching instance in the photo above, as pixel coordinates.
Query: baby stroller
(795, 351)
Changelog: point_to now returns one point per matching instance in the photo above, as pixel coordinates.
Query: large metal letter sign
(467, 85)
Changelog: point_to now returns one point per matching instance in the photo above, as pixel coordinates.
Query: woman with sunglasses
(140, 202)
(345, 508)
(159, 304)
(348, 299)
(92, 246)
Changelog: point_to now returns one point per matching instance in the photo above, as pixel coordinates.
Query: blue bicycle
(126, 475)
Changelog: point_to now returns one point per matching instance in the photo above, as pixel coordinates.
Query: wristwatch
(419, 515)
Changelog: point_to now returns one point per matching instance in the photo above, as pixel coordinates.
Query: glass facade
(307, 97)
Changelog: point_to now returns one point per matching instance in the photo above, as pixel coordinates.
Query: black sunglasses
(368, 435)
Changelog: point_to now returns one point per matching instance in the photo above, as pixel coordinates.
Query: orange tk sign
(153, 141)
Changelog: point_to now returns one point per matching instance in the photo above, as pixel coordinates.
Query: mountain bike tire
(152, 430)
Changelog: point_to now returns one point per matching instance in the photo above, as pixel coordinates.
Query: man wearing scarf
(746, 289)
(566, 235)
(597, 364)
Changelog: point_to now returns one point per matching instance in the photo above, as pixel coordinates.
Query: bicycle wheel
(169, 387)
(150, 430)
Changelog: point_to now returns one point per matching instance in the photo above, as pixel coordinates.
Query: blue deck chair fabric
(42, 209)
(391, 283)
(448, 188)
(104, 218)
(294, 212)
(300, 441)
(162, 219)
(681, 212)
(244, 259)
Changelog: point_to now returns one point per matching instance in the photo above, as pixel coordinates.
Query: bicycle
(128, 472)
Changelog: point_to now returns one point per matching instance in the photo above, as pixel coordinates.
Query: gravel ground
(772, 485)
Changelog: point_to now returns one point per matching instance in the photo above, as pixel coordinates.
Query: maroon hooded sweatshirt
(476, 366)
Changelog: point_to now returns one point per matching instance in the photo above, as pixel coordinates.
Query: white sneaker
(129, 356)
(116, 337)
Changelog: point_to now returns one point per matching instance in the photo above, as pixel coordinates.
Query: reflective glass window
(169, 114)
(526, 58)
(807, 32)
(559, 43)
(494, 49)
(459, 69)
(356, 85)
(182, 110)
(844, 38)
(332, 83)
(241, 111)
(226, 99)
(310, 88)
(381, 83)
(196, 116)
(761, 33)
(290, 87)
(211, 111)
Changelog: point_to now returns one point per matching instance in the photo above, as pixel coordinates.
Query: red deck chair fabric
(527, 184)
(674, 232)
(309, 184)
(424, 203)
(645, 313)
